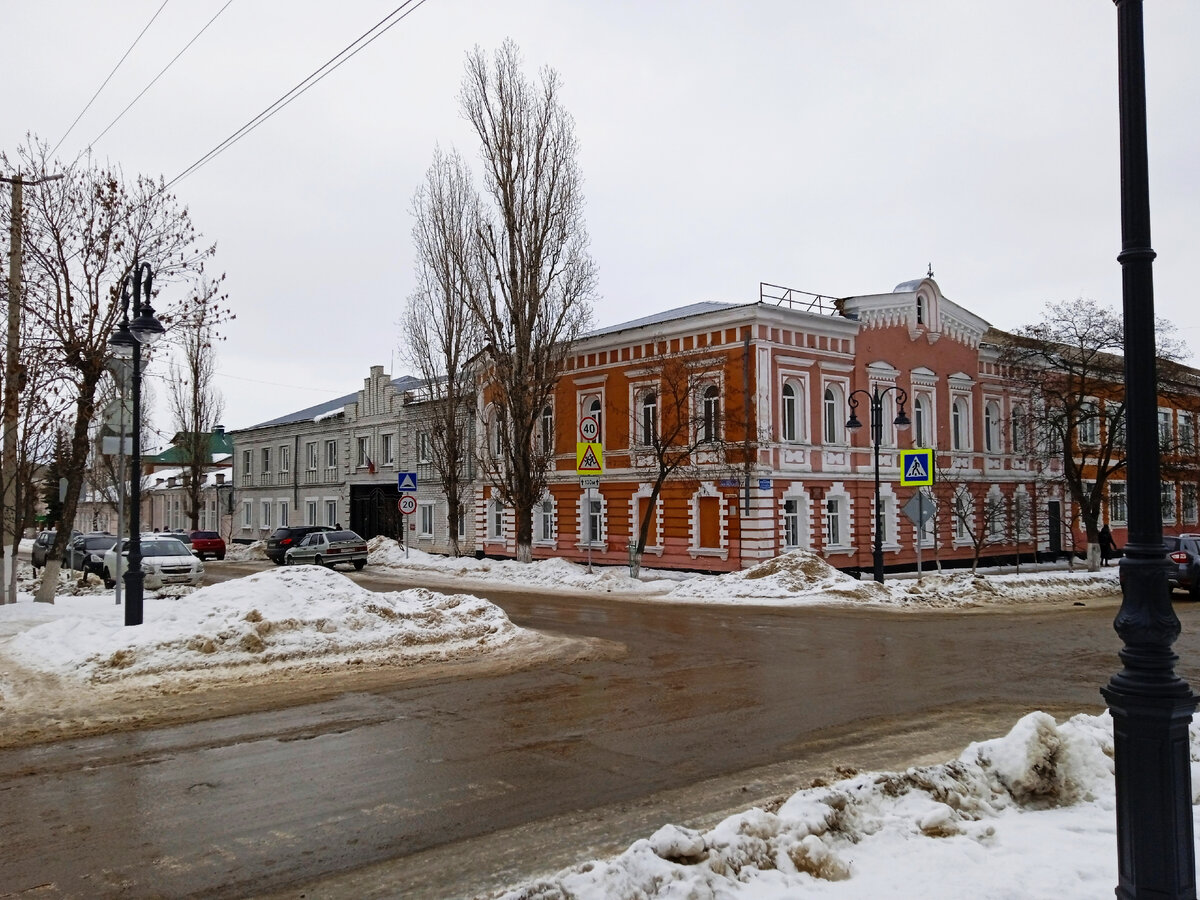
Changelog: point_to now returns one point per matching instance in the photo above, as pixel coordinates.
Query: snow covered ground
(1029, 815)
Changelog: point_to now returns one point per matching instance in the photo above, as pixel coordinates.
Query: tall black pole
(877, 438)
(1151, 706)
(135, 578)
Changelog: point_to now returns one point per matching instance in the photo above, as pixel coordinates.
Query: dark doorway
(373, 510)
(1054, 528)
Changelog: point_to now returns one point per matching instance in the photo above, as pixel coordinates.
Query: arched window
(594, 410)
(958, 424)
(712, 414)
(788, 412)
(495, 432)
(921, 315)
(920, 422)
(648, 429)
(991, 427)
(834, 415)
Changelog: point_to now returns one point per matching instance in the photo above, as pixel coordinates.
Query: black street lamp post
(1151, 706)
(875, 398)
(126, 343)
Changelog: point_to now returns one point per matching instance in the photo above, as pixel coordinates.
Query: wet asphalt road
(249, 804)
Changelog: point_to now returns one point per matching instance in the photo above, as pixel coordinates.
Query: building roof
(329, 407)
(679, 312)
(220, 445)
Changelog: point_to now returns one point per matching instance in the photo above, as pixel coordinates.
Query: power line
(163, 72)
(110, 75)
(337, 60)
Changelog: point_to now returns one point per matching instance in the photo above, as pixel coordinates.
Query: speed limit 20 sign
(407, 504)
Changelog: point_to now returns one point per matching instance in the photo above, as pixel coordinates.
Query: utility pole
(13, 379)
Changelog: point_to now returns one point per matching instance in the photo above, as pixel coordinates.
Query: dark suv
(1183, 551)
(288, 536)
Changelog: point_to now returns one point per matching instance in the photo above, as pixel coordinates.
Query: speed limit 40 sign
(589, 429)
(407, 504)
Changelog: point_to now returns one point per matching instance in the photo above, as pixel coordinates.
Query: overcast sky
(838, 148)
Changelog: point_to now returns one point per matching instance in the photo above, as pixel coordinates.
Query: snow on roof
(331, 408)
(679, 312)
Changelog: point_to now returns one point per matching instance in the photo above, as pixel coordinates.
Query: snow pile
(246, 552)
(545, 574)
(284, 616)
(789, 576)
(993, 823)
(961, 588)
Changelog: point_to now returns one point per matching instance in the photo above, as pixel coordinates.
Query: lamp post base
(135, 583)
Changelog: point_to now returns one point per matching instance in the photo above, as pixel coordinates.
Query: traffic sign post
(916, 468)
(589, 459)
(920, 510)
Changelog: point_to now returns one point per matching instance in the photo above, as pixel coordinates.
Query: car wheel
(358, 564)
(220, 556)
(109, 581)
(317, 561)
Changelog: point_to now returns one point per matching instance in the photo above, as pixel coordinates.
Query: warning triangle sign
(915, 470)
(589, 459)
(589, 462)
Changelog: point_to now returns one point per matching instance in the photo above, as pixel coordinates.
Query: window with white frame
(1167, 498)
(791, 523)
(648, 420)
(283, 513)
(710, 413)
(362, 452)
(265, 520)
(496, 519)
(595, 409)
(991, 426)
(424, 447)
(1019, 430)
(881, 518)
(462, 521)
(835, 525)
(247, 467)
(545, 520)
(921, 423)
(387, 449)
(928, 531)
(960, 424)
(546, 431)
(787, 413)
(1089, 423)
(1118, 507)
(964, 516)
(1187, 433)
(495, 432)
(425, 520)
(595, 520)
(247, 513)
(310, 512)
(331, 512)
(266, 460)
(921, 309)
(997, 515)
(834, 415)
(310, 456)
(331, 454)
(1164, 428)
(1187, 510)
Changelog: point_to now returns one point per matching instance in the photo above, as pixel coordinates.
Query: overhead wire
(336, 61)
(109, 78)
(154, 80)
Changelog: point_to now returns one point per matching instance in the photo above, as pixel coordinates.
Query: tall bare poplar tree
(532, 281)
(195, 403)
(83, 234)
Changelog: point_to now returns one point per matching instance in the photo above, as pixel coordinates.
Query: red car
(207, 543)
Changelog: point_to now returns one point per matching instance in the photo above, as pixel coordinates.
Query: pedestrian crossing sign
(589, 458)
(916, 467)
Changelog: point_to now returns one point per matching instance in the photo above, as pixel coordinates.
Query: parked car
(165, 560)
(328, 548)
(288, 536)
(41, 546)
(207, 543)
(1183, 551)
(85, 552)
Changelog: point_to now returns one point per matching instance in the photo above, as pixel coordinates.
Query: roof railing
(795, 298)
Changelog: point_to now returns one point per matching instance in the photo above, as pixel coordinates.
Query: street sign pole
(588, 514)
(920, 528)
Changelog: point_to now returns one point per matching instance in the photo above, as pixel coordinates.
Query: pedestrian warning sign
(916, 467)
(589, 458)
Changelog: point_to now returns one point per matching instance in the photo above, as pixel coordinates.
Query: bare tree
(442, 337)
(1070, 371)
(677, 429)
(531, 280)
(195, 403)
(84, 233)
(977, 511)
